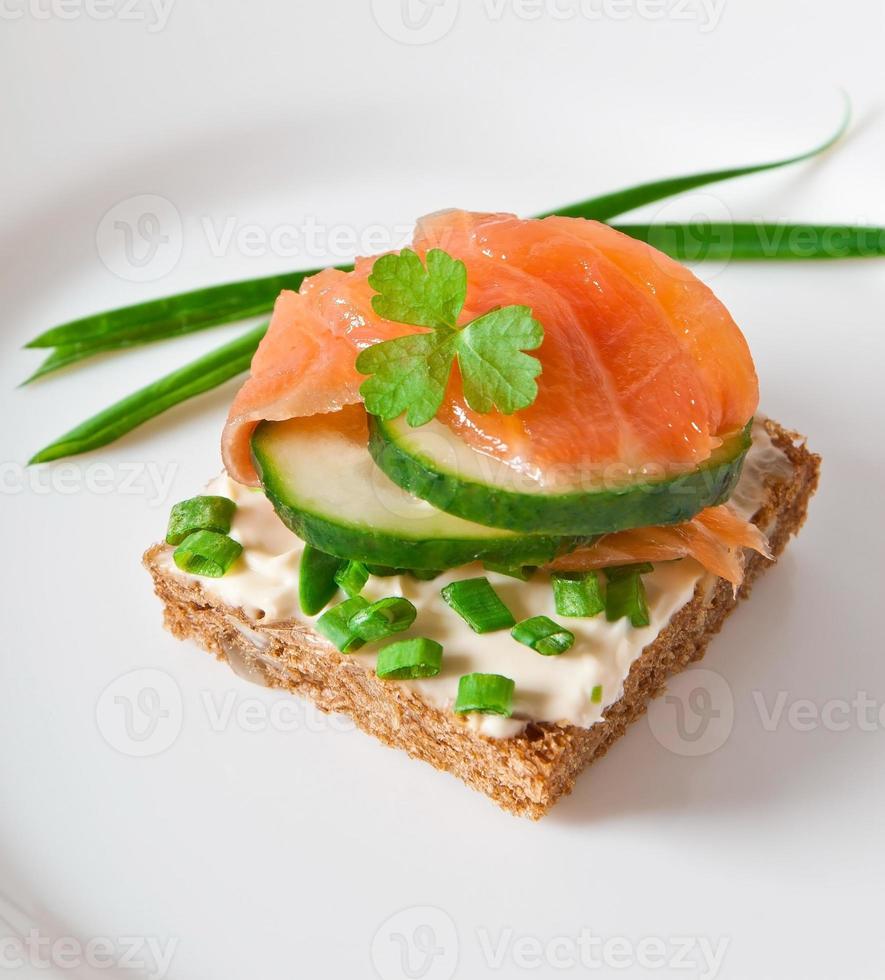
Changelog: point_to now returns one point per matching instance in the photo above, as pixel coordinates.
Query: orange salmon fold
(642, 365)
(716, 538)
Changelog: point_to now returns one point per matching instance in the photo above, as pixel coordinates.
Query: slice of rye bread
(526, 774)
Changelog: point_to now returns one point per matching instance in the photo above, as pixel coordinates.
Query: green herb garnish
(408, 659)
(488, 694)
(543, 636)
(352, 577)
(625, 597)
(577, 593)
(205, 513)
(410, 374)
(383, 618)
(335, 626)
(477, 603)
(316, 579)
(207, 553)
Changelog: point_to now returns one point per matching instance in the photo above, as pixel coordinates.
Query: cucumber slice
(325, 487)
(431, 462)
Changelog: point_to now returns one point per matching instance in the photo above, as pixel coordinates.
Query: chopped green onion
(488, 694)
(596, 694)
(335, 626)
(408, 659)
(199, 514)
(207, 553)
(543, 635)
(477, 603)
(624, 571)
(625, 596)
(316, 579)
(578, 594)
(424, 574)
(352, 577)
(383, 618)
(522, 572)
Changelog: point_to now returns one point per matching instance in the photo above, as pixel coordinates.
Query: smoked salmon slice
(642, 365)
(716, 538)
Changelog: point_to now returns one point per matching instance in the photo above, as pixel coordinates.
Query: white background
(261, 851)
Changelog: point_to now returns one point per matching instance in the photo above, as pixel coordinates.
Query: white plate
(244, 833)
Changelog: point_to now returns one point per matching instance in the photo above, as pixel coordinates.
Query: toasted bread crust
(526, 774)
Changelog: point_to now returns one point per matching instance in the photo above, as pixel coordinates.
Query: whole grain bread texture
(526, 774)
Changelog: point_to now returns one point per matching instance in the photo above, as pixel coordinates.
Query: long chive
(759, 241)
(207, 553)
(201, 308)
(173, 316)
(408, 659)
(607, 206)
(477, 603)
(335, 626)
(543, 636)
(383, 618)
(224, 303)
(201, 375)
(489, 694)
(316, 579)
(205, 513)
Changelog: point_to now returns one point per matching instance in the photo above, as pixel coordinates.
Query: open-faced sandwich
(486, 494)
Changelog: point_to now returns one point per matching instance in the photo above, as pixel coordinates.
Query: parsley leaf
(493, 367)
(407, 293)
(409, 374)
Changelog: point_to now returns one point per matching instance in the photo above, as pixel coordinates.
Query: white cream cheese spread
(264, 583)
